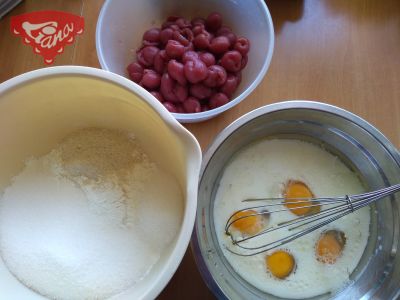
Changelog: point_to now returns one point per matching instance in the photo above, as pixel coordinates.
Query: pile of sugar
(85, 221)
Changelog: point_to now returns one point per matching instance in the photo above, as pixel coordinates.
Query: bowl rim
(202, 116)
(297, 104)
(224, 134)
(183, 237)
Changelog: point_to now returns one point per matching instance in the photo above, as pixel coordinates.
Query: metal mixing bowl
(361, 146)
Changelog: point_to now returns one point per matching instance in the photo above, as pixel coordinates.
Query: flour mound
(80, 222)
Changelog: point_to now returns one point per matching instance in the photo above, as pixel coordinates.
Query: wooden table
(346, 53)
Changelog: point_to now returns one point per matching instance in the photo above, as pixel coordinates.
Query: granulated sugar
(86, 221)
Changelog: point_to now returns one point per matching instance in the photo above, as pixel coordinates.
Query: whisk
(332, 208)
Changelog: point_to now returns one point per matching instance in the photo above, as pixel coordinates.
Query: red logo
(47, 32)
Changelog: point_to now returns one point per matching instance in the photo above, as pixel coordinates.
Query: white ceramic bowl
(37, 109)
(122, 23)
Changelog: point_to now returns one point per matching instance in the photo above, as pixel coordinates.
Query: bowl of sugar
(98, 187)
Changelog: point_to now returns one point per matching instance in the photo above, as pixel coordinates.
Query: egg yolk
(329, 247)
(294, 190)
(250, 224)
(280, 264)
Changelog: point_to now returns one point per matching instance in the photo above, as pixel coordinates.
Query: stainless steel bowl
(361, 146)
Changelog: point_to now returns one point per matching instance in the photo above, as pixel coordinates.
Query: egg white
(261, 170)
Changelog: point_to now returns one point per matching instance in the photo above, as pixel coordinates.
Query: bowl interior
(122, 23)
(37, 114)
(356, 147)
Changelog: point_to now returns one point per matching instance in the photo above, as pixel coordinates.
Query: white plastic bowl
(37, 109)
(122, 23)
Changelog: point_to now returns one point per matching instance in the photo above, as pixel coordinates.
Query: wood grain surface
(346, 53)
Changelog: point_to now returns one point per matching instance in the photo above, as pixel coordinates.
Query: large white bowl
(122, 23)
(37, 109)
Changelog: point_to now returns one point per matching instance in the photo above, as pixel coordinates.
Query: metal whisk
(332, 208)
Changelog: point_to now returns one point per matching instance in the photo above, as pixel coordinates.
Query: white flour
(86, 221)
